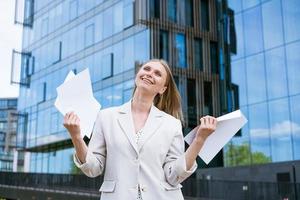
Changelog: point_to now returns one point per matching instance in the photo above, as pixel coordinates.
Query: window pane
(198, 54)
(252, 30)
(238, 73)
(128, 54)
(98, 27)
(256, 79)
(291, 16)
(172, 10)
(73, 9)
(154, 8)
(107, 65)
(295, 124)
(118, 55)
(293, 60)
(280, 130)
(191, 102)
(189, 19)
(276, 73)
(208, 108)
(273, 35)
(107, 25)
(250, 3)
(204, 15)
(164, 45)
(128, 15)
(259, 133)
(89, 35)
(118, 17)
(180, 51)
(214, 57)
(141, 46)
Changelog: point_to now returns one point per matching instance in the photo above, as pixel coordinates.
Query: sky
(10, 38)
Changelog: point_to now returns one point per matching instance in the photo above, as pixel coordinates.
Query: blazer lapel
(126, 123)
(153, 122)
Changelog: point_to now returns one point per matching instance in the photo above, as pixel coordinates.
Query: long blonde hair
(170, 100)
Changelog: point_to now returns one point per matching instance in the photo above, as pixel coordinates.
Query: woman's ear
(162, 90)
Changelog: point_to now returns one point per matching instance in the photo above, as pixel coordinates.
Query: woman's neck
(141, 102)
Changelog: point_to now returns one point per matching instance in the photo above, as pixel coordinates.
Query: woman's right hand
(72, 124)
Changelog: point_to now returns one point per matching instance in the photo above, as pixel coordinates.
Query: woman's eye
(158, 74)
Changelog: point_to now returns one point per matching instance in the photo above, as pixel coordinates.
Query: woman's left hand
(207, 127)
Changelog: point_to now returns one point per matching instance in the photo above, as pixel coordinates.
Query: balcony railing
(192, 188)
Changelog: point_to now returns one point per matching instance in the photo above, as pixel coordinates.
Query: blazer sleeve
(175, 163)
(96, 154)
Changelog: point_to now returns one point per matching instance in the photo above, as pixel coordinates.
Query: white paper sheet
(227, 126)
(76, 94)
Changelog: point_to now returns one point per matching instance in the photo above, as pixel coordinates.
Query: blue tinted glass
(172, 10)
(293, 60)
(89, 35)
(256, 79)
(238, 22)
(295, 124)
(117, 94)
(276, 73)
(253, 31)
(73, 9)
(291, 16)
(204, 15)
(98, 27)
(107, 65)
(280, 130)
(273, 35)
(238, 74)
(118, 55)
(107, 23)
(164, 45)
(106, 97)
(235, 5)
(128, 15)
(141, 46)
(198, 54)
(180, 51)
(128, 53)
(259, 133)
(118, 17)
(97, 67)
(250, 3)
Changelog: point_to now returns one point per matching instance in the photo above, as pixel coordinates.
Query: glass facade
(112, 39)
(73, 35)
(266, 70)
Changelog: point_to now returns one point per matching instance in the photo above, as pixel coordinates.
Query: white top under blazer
(157, 163)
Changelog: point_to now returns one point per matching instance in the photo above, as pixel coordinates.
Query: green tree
(241, 155)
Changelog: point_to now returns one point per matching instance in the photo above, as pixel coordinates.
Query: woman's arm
(207, 127)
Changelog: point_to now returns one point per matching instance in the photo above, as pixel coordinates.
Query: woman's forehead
(156, 65)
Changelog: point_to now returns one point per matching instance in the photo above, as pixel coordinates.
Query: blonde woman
(139, 145)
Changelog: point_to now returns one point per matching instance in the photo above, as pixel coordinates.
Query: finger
(73, 119)
(77, 121)
(201, 121)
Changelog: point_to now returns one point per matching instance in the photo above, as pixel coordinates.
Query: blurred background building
(8, 130)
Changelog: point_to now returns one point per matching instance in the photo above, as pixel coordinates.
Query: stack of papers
(76, 94)
(227, 126)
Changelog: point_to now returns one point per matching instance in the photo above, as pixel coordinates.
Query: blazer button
(143, 189)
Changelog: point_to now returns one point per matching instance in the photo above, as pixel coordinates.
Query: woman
(139, 145)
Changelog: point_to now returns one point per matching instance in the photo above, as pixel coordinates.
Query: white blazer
(157, 164)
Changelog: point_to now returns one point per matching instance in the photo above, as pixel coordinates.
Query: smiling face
(152, 77)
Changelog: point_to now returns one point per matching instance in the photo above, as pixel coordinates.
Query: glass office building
(8, 130)
(266, 70)
(113, 38)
